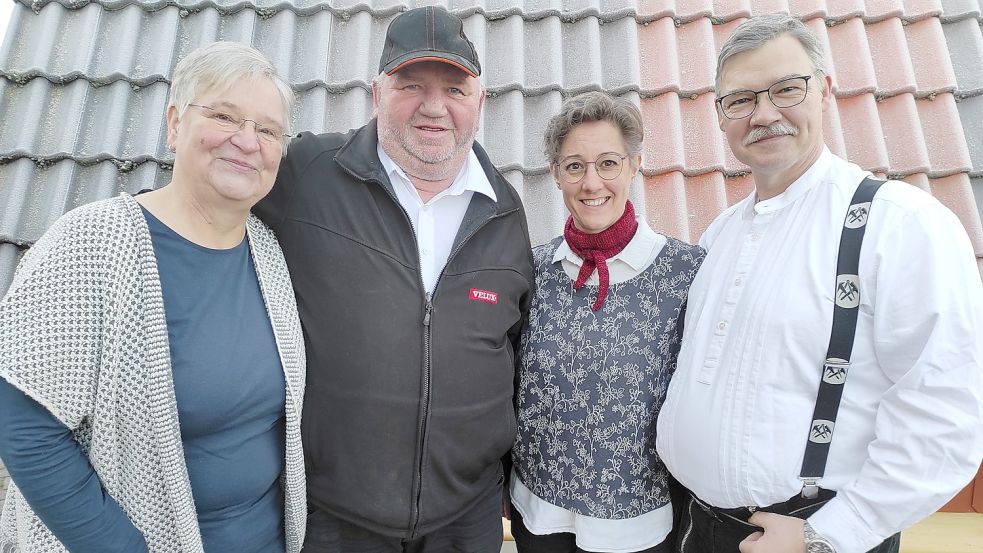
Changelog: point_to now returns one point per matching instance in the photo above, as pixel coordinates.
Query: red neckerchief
(596, 249)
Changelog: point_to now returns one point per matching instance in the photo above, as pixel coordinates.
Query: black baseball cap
(430, 33)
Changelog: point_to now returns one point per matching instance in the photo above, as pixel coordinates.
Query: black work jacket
(408, 408)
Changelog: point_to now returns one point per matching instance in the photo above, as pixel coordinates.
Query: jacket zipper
(422, 427)
(428, 362)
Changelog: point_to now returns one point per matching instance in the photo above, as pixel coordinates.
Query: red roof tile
(659, 56)
(858, 115)
(851, 64)
(903, 136)
(663, 148)
(944, 139)
(879, 10)
(930, 56)
(698, 55)
(844, 9)
(921, 9)
(890, 58)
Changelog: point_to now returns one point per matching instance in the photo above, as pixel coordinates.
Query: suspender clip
(810, 488)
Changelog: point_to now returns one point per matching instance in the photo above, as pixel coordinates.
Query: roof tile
(808, 9)
(921, 9)
(943, 135)
(853, 70)
(971, 113)
(10, 255)
(840, 10)
(697, 56)
(727, 10)
(929, 56)
(965, 41)
(880, 10)
(664, 150)
(690, 10)
(903, 137)
(683, 206)
(665, 205)
(956, 193)
(858, 115)
(955, 10)
(703, 143)
(759, 7)
(659, 56)
(890, 58)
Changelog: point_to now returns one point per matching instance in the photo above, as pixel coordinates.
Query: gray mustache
(778, 129)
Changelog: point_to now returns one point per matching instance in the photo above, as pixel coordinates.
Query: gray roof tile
(33, 195)
(955, 10)
(971, 114)
(964, 39)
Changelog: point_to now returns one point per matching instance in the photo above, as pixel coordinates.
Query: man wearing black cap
(412, 269)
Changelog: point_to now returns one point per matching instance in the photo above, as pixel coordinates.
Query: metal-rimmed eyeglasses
(233, 123)
(788, 92)
(572, 169)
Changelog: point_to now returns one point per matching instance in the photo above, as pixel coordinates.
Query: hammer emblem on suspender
(856, 216)
(822, 431)
(847, 291)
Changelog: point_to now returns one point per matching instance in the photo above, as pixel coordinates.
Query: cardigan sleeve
(55, 477)
(51, 319)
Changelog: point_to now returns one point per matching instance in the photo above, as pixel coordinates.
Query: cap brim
(417, 57)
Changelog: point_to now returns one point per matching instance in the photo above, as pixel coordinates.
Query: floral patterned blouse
(591, 385)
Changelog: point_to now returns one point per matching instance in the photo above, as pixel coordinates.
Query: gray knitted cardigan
(82, 332)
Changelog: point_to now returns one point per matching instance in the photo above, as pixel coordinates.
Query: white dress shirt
(596, 534)
(436, 222)
(909, 433)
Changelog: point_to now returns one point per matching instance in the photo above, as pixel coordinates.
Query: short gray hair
(216, 66)
(755, 32)
(589, 107)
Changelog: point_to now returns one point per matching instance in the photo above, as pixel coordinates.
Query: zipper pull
(426, 314)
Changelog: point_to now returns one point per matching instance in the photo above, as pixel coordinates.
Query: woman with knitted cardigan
(151, 355)
(595, 361)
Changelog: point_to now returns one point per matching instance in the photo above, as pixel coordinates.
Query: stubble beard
(421, 161)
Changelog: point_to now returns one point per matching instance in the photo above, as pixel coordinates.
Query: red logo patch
(483, 295)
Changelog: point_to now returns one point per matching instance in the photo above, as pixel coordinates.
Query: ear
(637, 162)
(553, 174)
(720, 116)
(481, 99)
(375, 97)
(172, 126)
(827, 91)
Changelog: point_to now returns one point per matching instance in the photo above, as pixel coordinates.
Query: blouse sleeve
(55, 477)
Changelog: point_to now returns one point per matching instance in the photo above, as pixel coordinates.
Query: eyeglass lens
(783, 94)
(608, 166)
(234, 123)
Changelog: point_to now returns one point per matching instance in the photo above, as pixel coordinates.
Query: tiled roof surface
(83, 86)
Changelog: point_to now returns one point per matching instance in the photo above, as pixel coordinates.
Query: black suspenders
(847, 301)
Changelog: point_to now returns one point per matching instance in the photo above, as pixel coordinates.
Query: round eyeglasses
(233, 123)
(783, 94)
(571, 170)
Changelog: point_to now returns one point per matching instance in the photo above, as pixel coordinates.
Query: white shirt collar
(799, 187)
(471, 176)
(636, 254)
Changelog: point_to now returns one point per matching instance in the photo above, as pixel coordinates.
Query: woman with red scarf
(595, 362)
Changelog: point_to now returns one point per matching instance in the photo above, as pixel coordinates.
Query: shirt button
(738, 281)
(755, 236)
(425, 251)
(722, 325)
